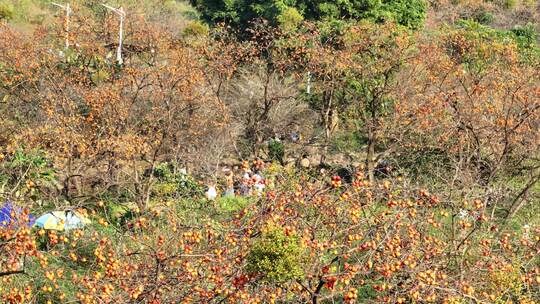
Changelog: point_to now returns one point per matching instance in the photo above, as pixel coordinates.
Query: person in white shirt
(258, 182)
(211, 193)
(245, 188)
(230, 183)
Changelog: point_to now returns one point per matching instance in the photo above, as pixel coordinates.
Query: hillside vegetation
(299, 151)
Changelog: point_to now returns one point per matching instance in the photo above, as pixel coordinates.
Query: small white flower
(463, 213)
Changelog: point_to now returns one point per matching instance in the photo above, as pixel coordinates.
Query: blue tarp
(9, 215)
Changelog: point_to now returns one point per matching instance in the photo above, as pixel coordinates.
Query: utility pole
(308, 89)
(122, 14)
(67, 8)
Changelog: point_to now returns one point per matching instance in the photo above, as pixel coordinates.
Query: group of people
(250, 183)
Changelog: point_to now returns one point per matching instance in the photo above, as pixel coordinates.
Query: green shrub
(195, 29)
(474, 54)
(526, 36)
(276, 150)
(530, 3)
(165, 189)
(173, 183)
(99, 76)
(7, 12)
(511, 4)
(277, 256)
(290, 19)
(114, 212)
(409, 13)
(31, 166)
(348, 142)
(483, 16)
(232, 203)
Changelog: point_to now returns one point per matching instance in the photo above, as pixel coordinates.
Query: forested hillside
(276, 151)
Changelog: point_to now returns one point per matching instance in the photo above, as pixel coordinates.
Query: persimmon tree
(113, 134)
(477, 107)
(324, 241)
(257, 78)
(117, 120)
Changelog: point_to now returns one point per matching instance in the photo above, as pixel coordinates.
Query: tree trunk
(520, 200)
(370, 156)
(327, 134)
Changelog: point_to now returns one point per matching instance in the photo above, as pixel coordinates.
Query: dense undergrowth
(321, 242)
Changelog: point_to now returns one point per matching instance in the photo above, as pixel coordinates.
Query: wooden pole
(122, 14)
(66, 8)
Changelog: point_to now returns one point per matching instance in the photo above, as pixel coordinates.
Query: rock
(315, 160)
(304, 163)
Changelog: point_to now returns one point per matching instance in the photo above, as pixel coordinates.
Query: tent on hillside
(62, 220)
(12, 215)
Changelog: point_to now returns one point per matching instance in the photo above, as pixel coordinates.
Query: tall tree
(353, 73)
(410, 13)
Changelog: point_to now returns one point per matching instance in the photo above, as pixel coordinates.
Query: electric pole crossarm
(119, 11)
(67, 8)
(122, 14)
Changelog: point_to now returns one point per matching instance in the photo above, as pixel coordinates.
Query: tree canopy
(238, 13)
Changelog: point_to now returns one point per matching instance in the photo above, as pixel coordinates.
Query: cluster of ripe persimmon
(381, 242)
